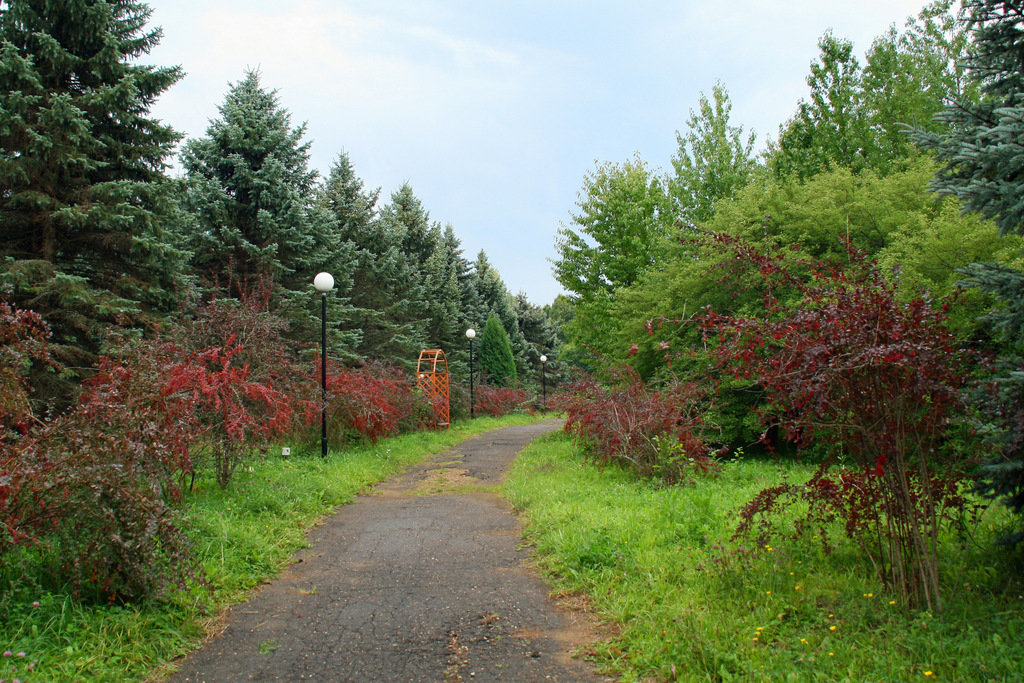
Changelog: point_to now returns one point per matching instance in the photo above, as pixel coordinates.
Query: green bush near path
(243, 536)
(688, 603)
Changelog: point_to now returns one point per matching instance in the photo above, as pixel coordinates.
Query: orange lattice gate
(432, 379)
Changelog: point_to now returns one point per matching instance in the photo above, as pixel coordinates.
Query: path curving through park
(422, 580)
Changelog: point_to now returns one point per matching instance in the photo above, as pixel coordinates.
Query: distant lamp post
(470, 334)
(544, 379)
(324, 282)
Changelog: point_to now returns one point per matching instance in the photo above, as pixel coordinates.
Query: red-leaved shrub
(373, 401)
(94, 488)
(659, 433)
(874, 381)
(498, 401)
(23, 337)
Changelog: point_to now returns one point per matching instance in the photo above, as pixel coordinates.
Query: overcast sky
(494, 111)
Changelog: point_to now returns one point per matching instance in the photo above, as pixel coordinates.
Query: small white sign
(286, 451)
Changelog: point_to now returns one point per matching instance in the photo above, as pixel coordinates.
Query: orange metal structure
(432, 379)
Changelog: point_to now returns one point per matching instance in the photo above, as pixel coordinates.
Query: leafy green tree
(496, 353)
(84, 204)
(857, 118)
(624, 215)
(621, 230)
(251, 192)
(830, 128)
(909, 76)
(713, 160)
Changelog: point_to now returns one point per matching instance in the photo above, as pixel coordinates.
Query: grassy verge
(690, 604)
(242, 536)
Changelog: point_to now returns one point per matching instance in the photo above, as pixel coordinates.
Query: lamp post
(544, 379)
(323, 282)
(470, 333)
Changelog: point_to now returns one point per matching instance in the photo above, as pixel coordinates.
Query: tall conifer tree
(983, 164)
(83, 198)
(496, 353)
(251, 192)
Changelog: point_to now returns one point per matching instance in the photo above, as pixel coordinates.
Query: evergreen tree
(251, 192)
(982, 153)
(351, 214)
(982, 148)
(410, 222)
(83, 199)
(496, 299)
(496, 353)
(444, 273)
(540, 335)
(388, 290)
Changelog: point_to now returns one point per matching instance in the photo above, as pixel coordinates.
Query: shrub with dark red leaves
(23, 337)
(94, 488)
(498, 401)
(870, 379)
(658, 433)
(373, 401)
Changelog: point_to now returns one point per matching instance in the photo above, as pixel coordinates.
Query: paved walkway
(420, 581)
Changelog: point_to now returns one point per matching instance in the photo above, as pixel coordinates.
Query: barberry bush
(373, 401)
(92, 492)
(23, 341)
(874, 382)
(497, 401)
(659, 433)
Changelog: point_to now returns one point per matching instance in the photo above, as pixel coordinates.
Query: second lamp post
(324, 282)
(470, 334)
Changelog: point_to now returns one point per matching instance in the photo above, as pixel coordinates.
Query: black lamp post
(324, 282)
(470, 333)
(544, 379)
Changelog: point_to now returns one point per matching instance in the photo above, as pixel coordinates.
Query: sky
(494, 112)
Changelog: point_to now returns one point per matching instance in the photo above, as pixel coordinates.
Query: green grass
(688, 603)
(242, 536)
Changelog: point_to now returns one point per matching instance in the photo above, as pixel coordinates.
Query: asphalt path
(421, 580)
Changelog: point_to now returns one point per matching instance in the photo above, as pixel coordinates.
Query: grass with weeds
(242, 536)
(688, 603)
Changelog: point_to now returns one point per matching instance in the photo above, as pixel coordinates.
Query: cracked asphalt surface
(421, 580)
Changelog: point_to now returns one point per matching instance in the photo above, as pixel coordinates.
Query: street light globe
(543, 359)
(471, 333)
(324, 282)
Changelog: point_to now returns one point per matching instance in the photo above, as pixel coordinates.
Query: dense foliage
(84, 203)
(657, 433)
(876, 383)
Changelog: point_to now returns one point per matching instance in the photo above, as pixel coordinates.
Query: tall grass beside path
(243, 536)
(687, 603)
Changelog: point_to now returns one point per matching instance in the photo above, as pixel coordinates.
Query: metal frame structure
(432, 379)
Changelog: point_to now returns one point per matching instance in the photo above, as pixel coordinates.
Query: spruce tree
(496, 298)
(982, 150)
(251, 192)
(443, 273)
(983, 156)
(496, 353)
(390, 308)
(83, 199)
